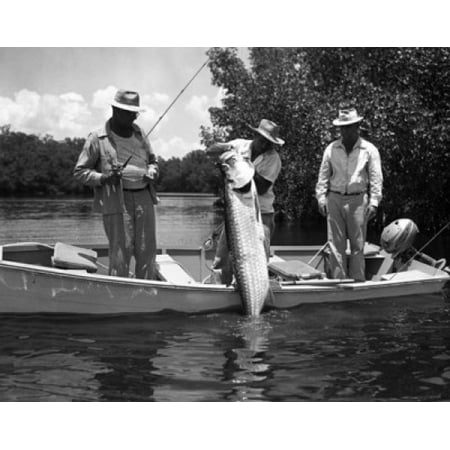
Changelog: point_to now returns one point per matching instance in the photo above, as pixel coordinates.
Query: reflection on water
(396, 350)
(49, 376)
(385, 350)
(246, 365)
(180, 367)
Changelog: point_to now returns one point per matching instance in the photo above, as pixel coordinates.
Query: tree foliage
(195, 172)
(33, 165)
(403, 93)
(41, 166)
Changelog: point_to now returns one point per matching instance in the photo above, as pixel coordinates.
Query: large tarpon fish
(245, 232)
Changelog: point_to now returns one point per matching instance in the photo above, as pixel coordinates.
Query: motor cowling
(398, 236)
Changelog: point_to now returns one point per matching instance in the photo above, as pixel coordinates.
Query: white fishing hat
(128, 100)
(347, 117)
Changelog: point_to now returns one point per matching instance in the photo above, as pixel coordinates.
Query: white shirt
(357, 171)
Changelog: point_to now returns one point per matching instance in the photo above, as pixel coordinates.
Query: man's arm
(375, 177)
(84, 170)
(323, 181)
(375, 182)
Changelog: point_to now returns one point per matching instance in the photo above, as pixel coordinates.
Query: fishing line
(176, 98)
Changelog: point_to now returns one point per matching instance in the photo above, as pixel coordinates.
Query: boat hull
(25, 288)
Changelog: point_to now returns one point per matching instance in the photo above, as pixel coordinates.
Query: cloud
(101, 100)
(198, 105)
(71, 115)
(174, 147)
(155, 100)
(61, 116)
(155, 104)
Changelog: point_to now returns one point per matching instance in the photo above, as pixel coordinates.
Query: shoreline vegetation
(401, 92)
(37, 166)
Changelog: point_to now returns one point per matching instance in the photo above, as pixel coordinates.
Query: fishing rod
(176, 98)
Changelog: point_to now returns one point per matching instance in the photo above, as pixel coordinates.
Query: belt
(135, 190)
(347, 194)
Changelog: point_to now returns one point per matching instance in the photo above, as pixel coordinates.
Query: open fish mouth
(238, 171)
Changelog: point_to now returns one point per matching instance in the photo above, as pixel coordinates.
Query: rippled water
(385, 351)
(365, 351)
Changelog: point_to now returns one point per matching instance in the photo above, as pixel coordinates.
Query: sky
(66, 92)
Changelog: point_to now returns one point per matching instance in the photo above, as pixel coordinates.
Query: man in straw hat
(119, 163)
(348, 192)
(267, 164)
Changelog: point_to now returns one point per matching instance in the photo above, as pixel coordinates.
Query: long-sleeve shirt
(99, 155)
(355, 172)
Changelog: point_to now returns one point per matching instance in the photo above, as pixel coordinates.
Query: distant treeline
(32, 165)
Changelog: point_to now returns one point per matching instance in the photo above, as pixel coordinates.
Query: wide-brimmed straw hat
(269, 130)
(347, 117)
(128, 100)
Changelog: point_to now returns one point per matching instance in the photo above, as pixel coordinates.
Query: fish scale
(245, 235)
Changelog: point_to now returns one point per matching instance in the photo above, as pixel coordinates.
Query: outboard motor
(398, 236)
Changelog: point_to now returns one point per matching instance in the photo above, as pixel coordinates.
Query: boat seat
(293, 269)
(170, 270)
(75, 258)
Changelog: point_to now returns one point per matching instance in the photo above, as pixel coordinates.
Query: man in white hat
(348, 192)
(267, 164)
(119, 163)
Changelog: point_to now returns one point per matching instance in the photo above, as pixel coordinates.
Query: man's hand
(323, 208)
(371, 212)
(152, 172)
(112, 179)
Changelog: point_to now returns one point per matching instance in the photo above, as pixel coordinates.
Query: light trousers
(132, 233)
(347, 220)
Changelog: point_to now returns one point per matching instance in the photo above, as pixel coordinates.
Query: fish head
(237, 169)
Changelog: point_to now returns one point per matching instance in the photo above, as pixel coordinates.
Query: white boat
(33, 280)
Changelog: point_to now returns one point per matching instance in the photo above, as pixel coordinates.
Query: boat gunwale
(134, 282)
(140, 283)
(441, 276)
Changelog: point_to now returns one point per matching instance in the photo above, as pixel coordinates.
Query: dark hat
(128, 100)
(269, 130)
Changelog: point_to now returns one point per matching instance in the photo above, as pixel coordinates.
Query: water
(396, 349)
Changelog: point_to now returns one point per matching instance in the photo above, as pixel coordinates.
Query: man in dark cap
(119, 163)
(348, 192)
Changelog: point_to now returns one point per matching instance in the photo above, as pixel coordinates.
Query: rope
(176, 98)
